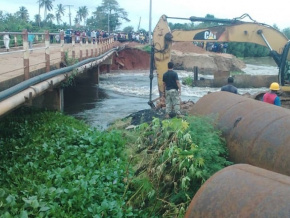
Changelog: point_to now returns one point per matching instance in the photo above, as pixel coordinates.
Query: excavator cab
(284, 69)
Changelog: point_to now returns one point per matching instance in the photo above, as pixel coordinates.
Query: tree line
(107, 16)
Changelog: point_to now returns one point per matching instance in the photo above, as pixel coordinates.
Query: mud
(131, 59)
(149, 114)
(185, 56)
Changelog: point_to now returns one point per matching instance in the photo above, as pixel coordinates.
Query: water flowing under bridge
(33, 76)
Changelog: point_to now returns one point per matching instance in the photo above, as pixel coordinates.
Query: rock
(130, 127)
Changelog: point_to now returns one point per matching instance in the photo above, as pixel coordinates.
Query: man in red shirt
(272, 97)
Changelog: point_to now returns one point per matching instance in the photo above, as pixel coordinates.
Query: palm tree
(47, 4)
(60, 9)
(76, 20)
(83, 13)
(23, 13)
(50, 17)
(58, 18)
(38, 13)
(37, 19)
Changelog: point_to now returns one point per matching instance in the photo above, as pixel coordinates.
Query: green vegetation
(147, 48)
(55, 166)
(188, 81)
(52, 17)
(247, 50)
(236, 73)
(172, 159)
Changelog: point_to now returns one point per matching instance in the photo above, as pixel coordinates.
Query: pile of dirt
(131, 58)
(185, 56)
(188, 47)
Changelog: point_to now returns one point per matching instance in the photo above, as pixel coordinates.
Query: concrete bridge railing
(26, 86)
(25, 61)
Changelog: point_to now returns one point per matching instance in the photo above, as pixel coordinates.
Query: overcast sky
(276, 12)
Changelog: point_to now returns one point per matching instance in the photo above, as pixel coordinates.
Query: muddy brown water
(122, 93)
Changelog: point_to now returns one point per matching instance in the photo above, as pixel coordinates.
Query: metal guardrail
(37, 79)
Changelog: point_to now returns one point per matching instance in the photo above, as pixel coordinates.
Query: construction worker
(172, 91)
(272, 97)
(230, 87)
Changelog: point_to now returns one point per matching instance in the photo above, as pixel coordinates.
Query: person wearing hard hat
(272, 97)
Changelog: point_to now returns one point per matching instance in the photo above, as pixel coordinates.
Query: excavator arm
(233, 30)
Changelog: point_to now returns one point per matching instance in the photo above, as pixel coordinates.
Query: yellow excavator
(231, 30)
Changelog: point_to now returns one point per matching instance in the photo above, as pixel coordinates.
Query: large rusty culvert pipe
(257, 133)
(242, 190)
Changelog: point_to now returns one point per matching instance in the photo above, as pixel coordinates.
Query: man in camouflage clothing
(172, 89)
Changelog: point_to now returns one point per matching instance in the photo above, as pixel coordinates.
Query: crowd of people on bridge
(141, 37)
(81, 35)
(94, 36)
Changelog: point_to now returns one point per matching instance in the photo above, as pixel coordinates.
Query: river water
(121, 93)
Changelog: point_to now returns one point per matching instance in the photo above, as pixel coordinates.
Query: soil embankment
(185, 56)
(131, 59)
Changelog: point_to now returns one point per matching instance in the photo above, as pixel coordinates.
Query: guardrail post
(101, 46)
(62, 45)
(25, 54)
(97, 53)
(73, 38)
(15, 40)
(112, 42)
(87, 50)
(92, 48)
(108, 43)
(47, 51)
(81, 50)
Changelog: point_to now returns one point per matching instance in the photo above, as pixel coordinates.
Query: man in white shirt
(6, 39)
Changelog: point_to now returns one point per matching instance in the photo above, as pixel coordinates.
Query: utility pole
(69, 14)
(150, 15)
(139, 25)
(108, 23)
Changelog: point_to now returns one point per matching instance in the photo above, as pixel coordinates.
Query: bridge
(33, 76)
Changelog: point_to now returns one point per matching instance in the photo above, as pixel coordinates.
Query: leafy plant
(70, 80)
(55, 166)
(177, 156)
(147, 48)
(70, 61)
(187, 81)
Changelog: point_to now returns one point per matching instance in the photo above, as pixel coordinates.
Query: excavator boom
(233, 30)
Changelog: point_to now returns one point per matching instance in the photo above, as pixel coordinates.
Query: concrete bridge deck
(28, 73)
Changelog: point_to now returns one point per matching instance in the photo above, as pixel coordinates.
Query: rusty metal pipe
(257, 133)
(242, 190)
